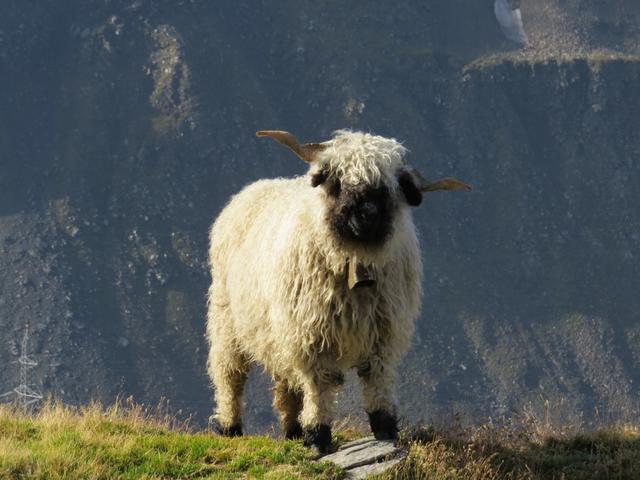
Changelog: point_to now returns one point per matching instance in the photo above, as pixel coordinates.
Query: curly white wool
(358, 157)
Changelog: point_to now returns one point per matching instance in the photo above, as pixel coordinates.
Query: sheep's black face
(361, 214)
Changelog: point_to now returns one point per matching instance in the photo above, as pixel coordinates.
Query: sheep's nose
(365, 219)
(368, 211)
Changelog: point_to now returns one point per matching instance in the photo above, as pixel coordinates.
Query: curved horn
(306, 151)
(447, 183)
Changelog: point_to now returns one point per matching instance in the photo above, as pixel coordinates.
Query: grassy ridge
(130, 443)
(94, 443)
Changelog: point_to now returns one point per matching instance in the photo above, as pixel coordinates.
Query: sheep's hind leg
(377, 389)
(228, 370)
(288, 403)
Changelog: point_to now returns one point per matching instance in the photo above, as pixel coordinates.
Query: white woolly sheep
(280, 297)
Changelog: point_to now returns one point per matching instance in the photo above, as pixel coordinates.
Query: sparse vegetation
(129, 442)
(595, 59)
(524, 451)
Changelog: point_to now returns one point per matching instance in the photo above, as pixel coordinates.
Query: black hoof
(318, 439)
(232, 431)
(293, 432)
(383, 425)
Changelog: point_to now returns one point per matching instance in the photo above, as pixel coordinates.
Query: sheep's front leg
(377, 390)
(319, 392)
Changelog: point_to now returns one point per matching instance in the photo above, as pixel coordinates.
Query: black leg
(318, 438)
(232, 431)
(293, 432)
(383, 425)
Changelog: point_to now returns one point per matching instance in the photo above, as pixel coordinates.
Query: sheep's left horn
(447, 183)
(306, 152)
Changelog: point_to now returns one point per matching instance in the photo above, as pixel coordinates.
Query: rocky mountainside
(126, 126)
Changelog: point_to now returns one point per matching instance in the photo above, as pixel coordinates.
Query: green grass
(117, 443)
(131, 443)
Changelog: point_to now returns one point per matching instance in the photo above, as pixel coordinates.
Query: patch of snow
(510, 21)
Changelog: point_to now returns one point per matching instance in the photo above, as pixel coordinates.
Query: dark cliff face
(532, 281)
(126, 126)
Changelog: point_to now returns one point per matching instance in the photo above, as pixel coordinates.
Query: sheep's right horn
(306, 152)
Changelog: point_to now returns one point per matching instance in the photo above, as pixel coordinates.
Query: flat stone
(373, 469)
(355, 443)
(363, 452)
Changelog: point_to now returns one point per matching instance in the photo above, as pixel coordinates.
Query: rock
(373, 469)
(548, 142)
(366, 456)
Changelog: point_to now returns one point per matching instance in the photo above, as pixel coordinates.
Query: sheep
(280, 254)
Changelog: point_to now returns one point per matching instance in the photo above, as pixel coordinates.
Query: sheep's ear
(306, 152)
(318, 178)
(447, 183)
(411, 192)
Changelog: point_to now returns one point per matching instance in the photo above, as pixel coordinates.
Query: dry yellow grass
(525, 450)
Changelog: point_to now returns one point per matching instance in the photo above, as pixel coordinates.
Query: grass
(129, 442)
(523, 451)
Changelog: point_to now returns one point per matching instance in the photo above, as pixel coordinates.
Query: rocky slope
(127, 125)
